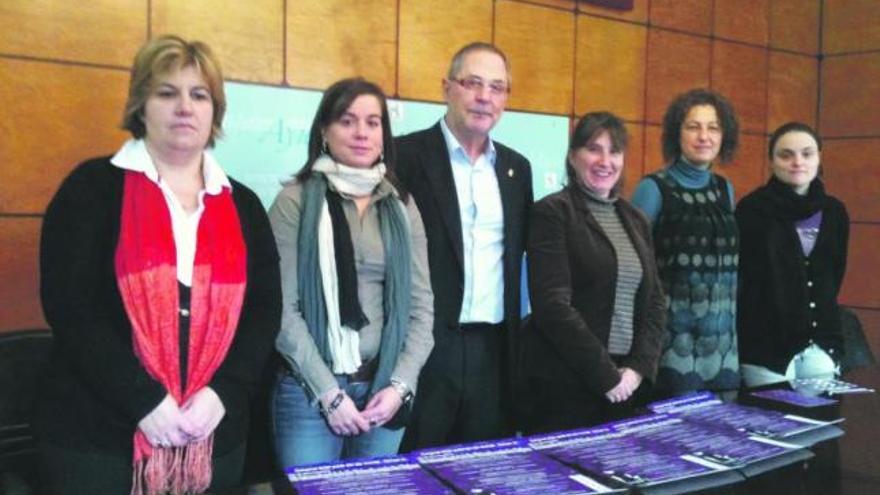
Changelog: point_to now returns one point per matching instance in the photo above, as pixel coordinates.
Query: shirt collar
(134, 156)
(456, 149)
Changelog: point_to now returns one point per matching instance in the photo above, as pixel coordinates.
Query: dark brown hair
(588, 129)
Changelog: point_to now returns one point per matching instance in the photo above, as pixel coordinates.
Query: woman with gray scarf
(358, 307)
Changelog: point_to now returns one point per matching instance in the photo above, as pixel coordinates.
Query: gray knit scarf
(394, 228)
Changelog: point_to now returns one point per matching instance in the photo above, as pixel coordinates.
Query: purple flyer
(792, 397)
(507, 467)
(707, 409)
(382, 476)
(616, 456)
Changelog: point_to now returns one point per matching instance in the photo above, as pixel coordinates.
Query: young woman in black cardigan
(793, 243)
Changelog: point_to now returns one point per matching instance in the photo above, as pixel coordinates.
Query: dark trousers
(459, 393)
(72, 472)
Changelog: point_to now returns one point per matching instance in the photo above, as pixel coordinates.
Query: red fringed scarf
(146, 273)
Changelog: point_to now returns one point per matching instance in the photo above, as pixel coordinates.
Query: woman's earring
(381, 157)
(325, 148)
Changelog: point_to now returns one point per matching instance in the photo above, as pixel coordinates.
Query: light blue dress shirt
(482, 231)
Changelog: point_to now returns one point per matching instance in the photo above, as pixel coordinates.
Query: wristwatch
(406, 395)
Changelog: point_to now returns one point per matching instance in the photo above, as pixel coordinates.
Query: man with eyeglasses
(474, 195)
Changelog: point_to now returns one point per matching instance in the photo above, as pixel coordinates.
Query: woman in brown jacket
(594, 338)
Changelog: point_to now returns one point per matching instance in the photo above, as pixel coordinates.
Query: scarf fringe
(174, 470)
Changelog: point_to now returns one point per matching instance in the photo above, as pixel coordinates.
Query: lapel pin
(510, 172)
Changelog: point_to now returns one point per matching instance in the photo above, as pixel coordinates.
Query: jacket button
(809, 283)
(815, 324)
(184, 312)
(812, 304)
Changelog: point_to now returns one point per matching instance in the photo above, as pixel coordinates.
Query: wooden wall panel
(633, 159)
(19, 274)
(428, 41)
(247, 37)
(850, 171)
(676, 63)
(792, 89)
(539, 42)
(740, 73)
(328, 40)
(748, 168)
(742, 20)
(106, 32)
(850, 26)
(850, 87)
(639, 12)
(693, 16)
(610, 67)
(560, 4)
(861, 285)
(794, 25)
(54, 116)
(653, 149)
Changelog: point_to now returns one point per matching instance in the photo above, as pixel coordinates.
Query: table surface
(849, 465)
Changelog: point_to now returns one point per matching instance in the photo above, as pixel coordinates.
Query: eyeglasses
(476, 84)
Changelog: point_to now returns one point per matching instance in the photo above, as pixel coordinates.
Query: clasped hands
(347, 420)
(629, 382)
(172, 425)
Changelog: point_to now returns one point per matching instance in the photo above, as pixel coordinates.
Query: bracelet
(334, 404)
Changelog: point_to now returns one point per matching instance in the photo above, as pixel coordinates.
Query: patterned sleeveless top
(696, 242)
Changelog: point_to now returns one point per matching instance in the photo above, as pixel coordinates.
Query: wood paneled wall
(849, 121)
(63, 77)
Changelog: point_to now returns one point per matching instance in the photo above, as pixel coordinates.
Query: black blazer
(572, 279)
(424, 169)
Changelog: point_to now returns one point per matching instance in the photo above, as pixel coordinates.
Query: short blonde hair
(160, 57)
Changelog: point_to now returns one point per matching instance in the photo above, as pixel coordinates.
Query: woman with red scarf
(159, 278)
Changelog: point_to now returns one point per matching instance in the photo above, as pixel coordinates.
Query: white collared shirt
(134, 156)
(482, 231)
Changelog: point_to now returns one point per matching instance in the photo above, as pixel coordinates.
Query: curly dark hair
(677, 112)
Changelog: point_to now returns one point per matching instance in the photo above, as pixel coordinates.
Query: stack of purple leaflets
(381, 476)
(716, 443)
(506, 467)
(617, 457)
(705, 408)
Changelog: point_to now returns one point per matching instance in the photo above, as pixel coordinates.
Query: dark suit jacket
(572, 279)
(424, 169)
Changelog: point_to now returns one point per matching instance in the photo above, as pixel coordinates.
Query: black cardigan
(778, 283)
(96, 390)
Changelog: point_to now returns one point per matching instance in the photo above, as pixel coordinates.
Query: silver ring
(165, 443)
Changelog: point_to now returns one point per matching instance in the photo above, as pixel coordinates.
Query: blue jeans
(302, 436)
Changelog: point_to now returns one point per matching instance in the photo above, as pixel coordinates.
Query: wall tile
(794, 25)
(850, 85)
(107, 32)
(328, 40)
(676, 63)
(747, 170)
(610, 67)
(792, 89)
(639, 12)
(428, 41)
(861, 285)
(742, 20)
(739, 72)
(850, 25)
(247, 37)
(850, 171)
(19, 274)
(542, 60)
(653, 149)
(54, 117)
(634, 158)
(693, 16)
